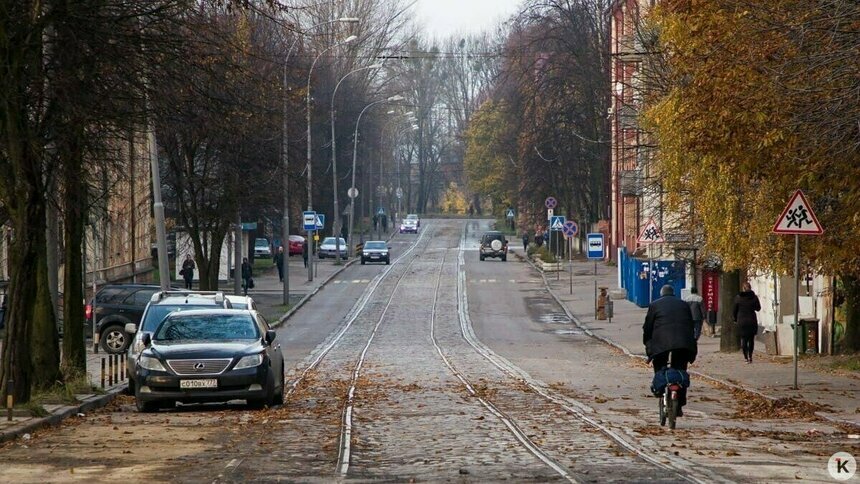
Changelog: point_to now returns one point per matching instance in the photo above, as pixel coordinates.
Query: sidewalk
(770, 376)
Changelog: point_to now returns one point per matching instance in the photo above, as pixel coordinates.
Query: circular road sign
(352, 192)
(399, 192)
(551, 202)
(569, 228)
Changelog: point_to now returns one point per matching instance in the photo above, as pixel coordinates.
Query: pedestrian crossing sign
(651, 234)
(556, 222)
(510, 213)
(798, 218)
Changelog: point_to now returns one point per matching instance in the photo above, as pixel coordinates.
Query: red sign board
(711, 290)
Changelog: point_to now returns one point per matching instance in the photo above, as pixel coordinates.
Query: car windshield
(207, 327)
(375, 245)
(409, 222)
(156, 313)
(330, 241)
(261, 243)
(412, 216)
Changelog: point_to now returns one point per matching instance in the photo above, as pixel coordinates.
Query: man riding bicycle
(668, 335)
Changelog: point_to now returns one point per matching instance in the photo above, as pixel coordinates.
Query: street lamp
(336, 222)
(308, 167)
(353, 192)
(285, 221)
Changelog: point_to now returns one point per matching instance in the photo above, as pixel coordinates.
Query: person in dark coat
(305, 251)
(247, 274)
(746, 305)
(279, 261)
(525, 241)
(696, 309)
(668, 335)
(188, 270)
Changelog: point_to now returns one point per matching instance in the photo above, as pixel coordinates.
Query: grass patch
(277, 312)
(64, 393)
(851, 363)
(34, 409)
(263, 264)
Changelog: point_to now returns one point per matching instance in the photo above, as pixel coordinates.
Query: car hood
(203, 349)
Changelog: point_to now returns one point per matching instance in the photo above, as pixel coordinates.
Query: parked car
(116, 305)
(494, 244)
(375, 251)
(242, 302)
(262, 248)
(328, 248)
(409, 226)
(296, 242)
(209, 356)
(160, 305)
(413, 216)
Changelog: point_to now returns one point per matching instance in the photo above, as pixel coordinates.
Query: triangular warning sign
(651, 234)
(798, 218)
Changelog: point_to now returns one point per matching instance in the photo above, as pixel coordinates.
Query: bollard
(121, 370)
(110, 370)
(116, 369)
(10, 399)
(103, 371)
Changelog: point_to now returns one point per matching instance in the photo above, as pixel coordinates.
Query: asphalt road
(438, 367)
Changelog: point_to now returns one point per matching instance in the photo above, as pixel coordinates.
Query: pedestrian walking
(247, 276)
(375, 222)
(525, 242)
(743, 314)
(539, 238)
(694, 300)
(279, 261)
(305, 251)
(668, 335)
(187, 271)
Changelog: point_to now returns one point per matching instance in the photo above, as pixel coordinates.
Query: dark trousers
(679, 360)
(281, 272)
(188, 283)
(697, 328)
(748, 345)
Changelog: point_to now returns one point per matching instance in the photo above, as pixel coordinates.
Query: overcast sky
(442, 18)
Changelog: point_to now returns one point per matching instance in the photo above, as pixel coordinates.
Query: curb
(86, 405)
(628, 353)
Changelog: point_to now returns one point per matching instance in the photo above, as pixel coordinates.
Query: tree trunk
(851, 288)
(74, 201)
(730, 286)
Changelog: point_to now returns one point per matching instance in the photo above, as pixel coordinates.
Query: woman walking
(247, 275)
(746, 305)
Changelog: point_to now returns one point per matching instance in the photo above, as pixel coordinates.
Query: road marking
(491, 280)
(356, 281)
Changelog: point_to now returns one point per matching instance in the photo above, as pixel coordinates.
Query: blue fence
(634, 277)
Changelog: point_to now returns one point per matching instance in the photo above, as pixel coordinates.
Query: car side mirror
(130, 328)
(389, 247)
(270, 336)
(146, 339)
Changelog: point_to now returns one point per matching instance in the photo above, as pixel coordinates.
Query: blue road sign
(570, 229)
(380, 211)
(320, 221)
(550, 202)
(596, 247)
(510, 213)
(556, 222)
(309, 219)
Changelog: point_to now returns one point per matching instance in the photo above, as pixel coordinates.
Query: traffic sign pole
(796, 302)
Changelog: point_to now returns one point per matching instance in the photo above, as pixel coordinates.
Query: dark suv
(115, 306)
(494, 244)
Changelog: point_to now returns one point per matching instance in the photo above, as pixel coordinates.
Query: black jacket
(746, 305)
(247, 272)
(668, 326)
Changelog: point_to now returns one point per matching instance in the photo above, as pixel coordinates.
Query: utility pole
(237, 256)
(158, 208)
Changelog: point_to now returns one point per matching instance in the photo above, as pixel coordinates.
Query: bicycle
(669, 398)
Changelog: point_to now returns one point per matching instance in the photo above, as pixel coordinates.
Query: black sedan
(375, 251)
(210, 355)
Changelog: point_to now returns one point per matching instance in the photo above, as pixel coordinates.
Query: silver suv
(160, 305)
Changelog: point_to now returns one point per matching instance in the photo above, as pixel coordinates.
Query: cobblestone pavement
(440, 377)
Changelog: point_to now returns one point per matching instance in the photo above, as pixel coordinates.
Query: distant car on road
(375, 251)
(409, 226)
(328, 248)
(262, 248)
(413, 216)
(296, 242)
(494, 244)
(209, 356)
(116, 305)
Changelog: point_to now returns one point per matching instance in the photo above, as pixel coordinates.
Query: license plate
(188, 384)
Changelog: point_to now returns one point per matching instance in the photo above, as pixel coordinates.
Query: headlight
(249, 361)
(150, 363)
(383, 254)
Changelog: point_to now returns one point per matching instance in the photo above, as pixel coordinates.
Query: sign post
(797, 219)
(309, 223)
(570, 229)
(651, 234)
(595, 252)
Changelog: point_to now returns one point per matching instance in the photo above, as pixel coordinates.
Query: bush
(545, 255)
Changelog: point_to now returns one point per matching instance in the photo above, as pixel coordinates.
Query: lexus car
(209, 356)
(375, 251)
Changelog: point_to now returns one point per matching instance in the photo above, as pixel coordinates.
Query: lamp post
(353, 192)
(336, 221)
(285, 221)
(380, 187)
(308, 167)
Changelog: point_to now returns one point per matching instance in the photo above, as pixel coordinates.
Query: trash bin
(810, 336)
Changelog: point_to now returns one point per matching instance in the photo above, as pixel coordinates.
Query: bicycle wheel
(673, 412)
(662, 404)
